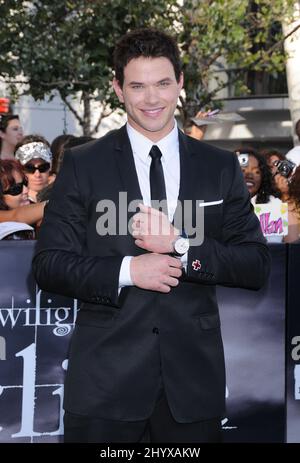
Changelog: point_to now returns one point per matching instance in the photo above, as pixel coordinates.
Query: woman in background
(14, 195)
(11, 133)
(257, 175)
(35, 156)
(259, 181)
(272, 155)
(13, 185)
(291, 195)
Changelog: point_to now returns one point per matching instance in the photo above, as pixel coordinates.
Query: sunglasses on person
(16, 189)
(42, 168)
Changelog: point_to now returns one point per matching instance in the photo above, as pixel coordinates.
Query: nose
(25, 189)
(151, 95)
(37, 173)
(247, 172)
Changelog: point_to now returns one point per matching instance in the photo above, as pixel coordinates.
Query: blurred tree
(66, 47)
(292, 47)
(223, 41)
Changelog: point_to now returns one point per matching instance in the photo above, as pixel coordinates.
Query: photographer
(272, 155)
(287, 182)
(294, 154)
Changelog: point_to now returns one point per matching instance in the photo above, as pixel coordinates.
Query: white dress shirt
(141, 146)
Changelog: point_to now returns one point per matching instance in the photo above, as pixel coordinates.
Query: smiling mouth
(152, 112)
(249, 183)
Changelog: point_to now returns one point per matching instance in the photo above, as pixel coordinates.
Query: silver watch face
(181, 245)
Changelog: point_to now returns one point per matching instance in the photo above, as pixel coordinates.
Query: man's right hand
(156, 272)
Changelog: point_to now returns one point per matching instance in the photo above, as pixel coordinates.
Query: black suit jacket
(125, 346)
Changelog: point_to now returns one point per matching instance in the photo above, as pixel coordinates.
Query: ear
(51, 178)
(118, 90)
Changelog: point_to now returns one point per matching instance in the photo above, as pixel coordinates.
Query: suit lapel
(186, 186)
(126, 166)
(129, 184)
(186, 190)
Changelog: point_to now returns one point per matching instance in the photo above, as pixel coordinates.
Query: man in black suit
(146, 357)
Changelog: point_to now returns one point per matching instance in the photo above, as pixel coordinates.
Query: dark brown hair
(294, 189)
(149, 43)
(7, 167)
(269, 152)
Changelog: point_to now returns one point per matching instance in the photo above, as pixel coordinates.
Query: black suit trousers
(160, 427)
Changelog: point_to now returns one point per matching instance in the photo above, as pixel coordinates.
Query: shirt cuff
(184, 260)
(124, 276)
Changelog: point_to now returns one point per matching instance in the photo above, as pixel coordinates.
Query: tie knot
(155, 152)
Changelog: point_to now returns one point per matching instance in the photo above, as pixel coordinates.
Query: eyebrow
(135, 83)
(166, 79)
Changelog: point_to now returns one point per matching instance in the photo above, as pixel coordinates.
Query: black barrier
(36, 328)
(35, 333)
(253, 326)
(293, 345)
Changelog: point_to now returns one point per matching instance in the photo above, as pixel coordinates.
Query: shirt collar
(141, 145)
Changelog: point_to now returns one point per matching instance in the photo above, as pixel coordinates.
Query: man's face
(150, 93)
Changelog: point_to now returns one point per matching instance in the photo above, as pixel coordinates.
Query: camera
(284, 168)
(243, 159)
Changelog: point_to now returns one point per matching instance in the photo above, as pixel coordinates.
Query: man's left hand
(153, 231)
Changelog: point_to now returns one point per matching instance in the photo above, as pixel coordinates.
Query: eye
(164, 84)
(137, 86)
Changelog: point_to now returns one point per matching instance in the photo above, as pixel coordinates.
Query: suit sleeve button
(155, 330)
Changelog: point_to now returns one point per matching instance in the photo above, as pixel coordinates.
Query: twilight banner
(35, 331)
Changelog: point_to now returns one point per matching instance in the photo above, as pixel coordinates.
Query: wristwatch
(181, 246)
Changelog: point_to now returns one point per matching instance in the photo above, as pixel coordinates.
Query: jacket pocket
(208, 321)
(97, 315)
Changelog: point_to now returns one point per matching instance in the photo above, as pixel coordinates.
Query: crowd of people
(146, 361)
(271, 177)
(28, 168)
(29, 165)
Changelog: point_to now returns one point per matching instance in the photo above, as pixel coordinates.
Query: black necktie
(157, 179)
